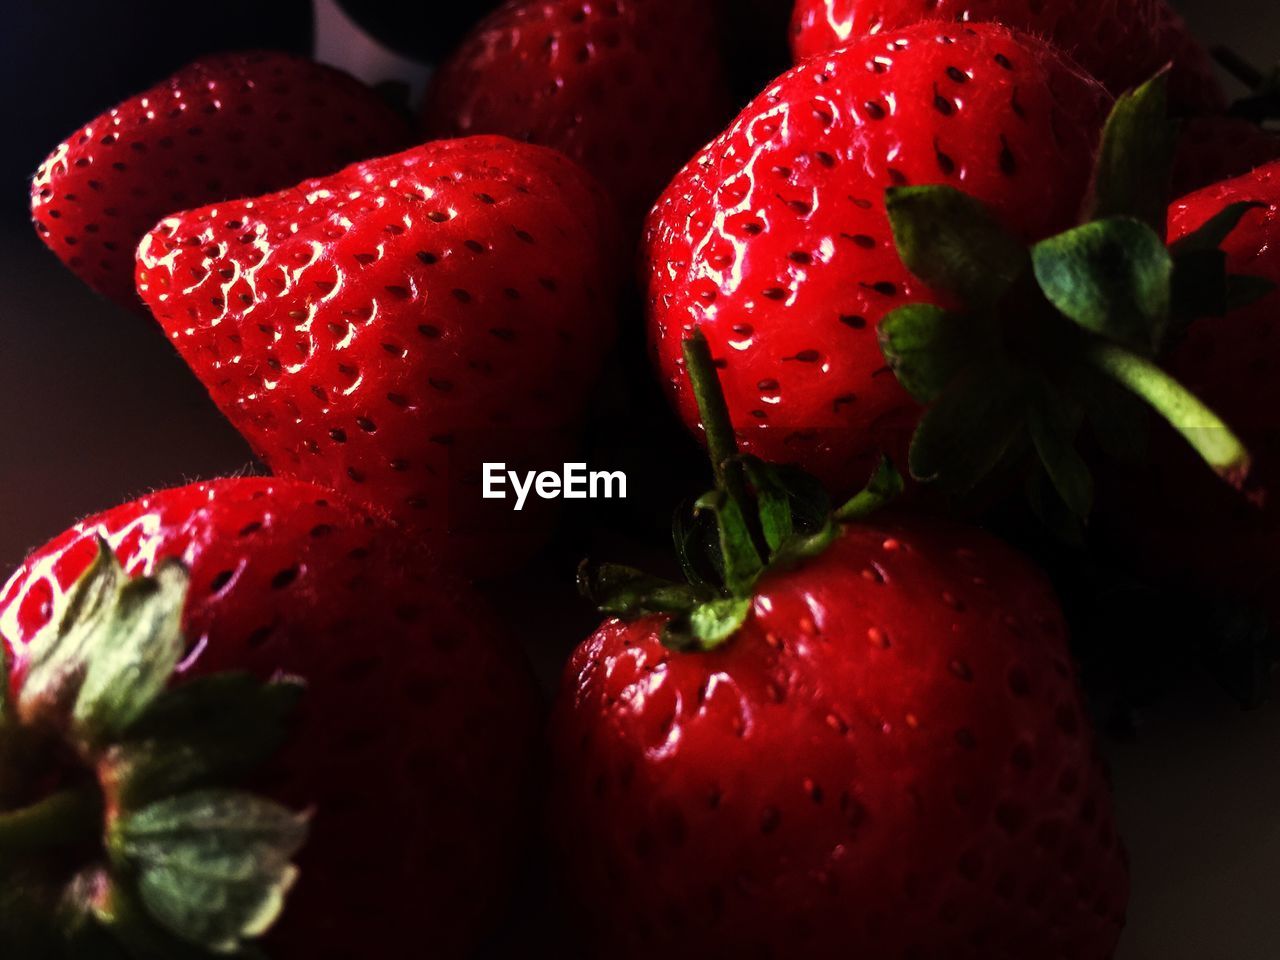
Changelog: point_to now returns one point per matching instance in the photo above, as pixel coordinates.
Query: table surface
(97, 409)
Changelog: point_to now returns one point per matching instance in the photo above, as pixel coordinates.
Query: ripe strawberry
(385, 330)
(1218, 542)
(883, 754)
(416, 722)
(628, 88)
(225, 126)
(775, 239)
(1121, 42)
(1213, 149)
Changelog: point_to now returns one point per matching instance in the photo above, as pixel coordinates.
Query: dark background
(96, 409)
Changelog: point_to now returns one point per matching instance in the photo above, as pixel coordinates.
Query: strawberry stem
(1208, 435)
(70, 818)
(722, 443)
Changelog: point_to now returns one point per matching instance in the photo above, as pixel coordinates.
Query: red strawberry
(417, 719)
(775, 239)
(1121, 42)
(885, 755)
(226, 126)
(628, 88)
(1213, 149)
(385, 330)
(1177, 520)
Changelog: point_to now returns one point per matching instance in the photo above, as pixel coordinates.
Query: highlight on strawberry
(847, 733)
(118, 834)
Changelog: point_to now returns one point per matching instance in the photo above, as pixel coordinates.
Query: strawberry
(1213, 149)
(385, 330)
(225, 126)
(868, 742)
(776, 242)
(1121, 42)
(1219, 543)
(413, 736)
(628, 88)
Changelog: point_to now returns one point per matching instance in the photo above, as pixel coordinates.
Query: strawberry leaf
(1053, 424)
(625, 591)
(212, 730)
(953, 243)
(212, 867)
(714, 622)
(697, 541)
(1112, 277)
(969, 430)
(1135, 160)
(926, 347)
(135, 655)
(886, 484)
(742, 561)
(773, 502)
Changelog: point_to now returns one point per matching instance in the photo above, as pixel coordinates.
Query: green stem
(66, 819)
(1203, 429)
(722, 444)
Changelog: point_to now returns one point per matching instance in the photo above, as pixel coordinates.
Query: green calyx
(1064, 333)
(759, 518)
(122, 812)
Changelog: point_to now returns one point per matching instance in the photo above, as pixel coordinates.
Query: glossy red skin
(1213, 149)
(890, 760)
(225, 126)
(1121, 42)
(414, 735)
(385, 330)
(628, 88)
(1177, 519)
(791, 309)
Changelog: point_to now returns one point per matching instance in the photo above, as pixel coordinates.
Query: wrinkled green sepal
(211, 730)
(1135, 159)
(1111, 277)
(213, 867)
(953, 243)
(627, 592)
(885, 486)
(742, 561)
(1054, 423)
(926, 347)
(709, 625)
(970, 429)
(99, 665)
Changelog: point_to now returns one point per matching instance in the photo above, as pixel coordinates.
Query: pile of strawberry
(270, 716)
